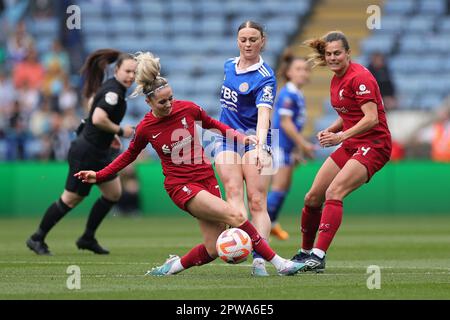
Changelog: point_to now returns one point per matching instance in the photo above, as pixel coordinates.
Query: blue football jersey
(244, 91)
(290, 102)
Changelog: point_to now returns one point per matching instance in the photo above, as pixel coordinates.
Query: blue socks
(275, 200)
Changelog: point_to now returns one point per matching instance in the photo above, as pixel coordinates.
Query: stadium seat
(421, 24)
(402, 7)
(434, 7)
(150, 9)
(378, 43)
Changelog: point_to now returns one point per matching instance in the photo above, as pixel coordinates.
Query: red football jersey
(174, 138)
(348, 93)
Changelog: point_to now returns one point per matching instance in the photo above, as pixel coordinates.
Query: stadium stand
(193, 39)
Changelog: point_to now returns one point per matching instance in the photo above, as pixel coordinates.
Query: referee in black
(94, 148)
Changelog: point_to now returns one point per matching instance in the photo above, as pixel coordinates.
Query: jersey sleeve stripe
(264, 105)
(265, 69)
(286, 112)
(262, 73)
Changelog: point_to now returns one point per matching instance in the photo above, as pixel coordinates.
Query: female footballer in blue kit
(247, 97)
(289, 118)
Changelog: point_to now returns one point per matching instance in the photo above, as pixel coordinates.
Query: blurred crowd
(39, 106)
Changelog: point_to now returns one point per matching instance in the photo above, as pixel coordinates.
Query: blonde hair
(148, 74)
(317, 58)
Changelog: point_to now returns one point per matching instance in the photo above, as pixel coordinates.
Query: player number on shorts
(365, 150)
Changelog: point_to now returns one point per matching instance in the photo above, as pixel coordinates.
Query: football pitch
(412, 252)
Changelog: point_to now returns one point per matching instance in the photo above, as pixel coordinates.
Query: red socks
(329, 224)
(310, 224)
(196, 257)
(259, 244)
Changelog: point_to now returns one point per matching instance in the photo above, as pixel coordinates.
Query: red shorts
(372, 158)
(182, 193)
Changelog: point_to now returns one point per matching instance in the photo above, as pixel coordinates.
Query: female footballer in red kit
(362, 129)
(170, 128)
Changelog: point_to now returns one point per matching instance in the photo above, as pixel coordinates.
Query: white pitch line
(242, 265)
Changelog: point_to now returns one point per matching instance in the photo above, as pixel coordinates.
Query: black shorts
(85, 156)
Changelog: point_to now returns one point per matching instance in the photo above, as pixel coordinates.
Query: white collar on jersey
(293, 88)
(254, 67)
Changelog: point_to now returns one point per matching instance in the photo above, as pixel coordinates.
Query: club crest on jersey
(184, 123)
(362, 90)
(243, 87)
(267, 94)
(341, 92)
(166, 149)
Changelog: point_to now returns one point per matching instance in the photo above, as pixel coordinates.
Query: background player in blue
(247, 99)
(289, 118)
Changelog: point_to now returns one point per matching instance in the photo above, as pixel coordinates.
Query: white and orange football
(234, 245)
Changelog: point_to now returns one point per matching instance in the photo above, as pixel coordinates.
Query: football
(234, 245)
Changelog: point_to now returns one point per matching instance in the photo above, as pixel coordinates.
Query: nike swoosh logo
(156, 135)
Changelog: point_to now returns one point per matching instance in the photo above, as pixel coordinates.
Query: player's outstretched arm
(87, 176)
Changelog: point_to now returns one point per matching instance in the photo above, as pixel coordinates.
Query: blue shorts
(283, 157)
(224, 145)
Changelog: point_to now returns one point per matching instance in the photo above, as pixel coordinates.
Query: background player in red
(170, 127)
(362, 129)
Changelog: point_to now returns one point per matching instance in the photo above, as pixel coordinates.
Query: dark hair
(287, 58)
(253, 25)
(95, 65)
(319, 45)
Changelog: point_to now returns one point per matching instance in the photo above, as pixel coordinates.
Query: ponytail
(94, 68)
(317, 58)
(148, 77)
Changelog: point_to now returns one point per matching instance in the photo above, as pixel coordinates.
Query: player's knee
(235, 218)
(113, 196)
(233, 191)
(71, 200)
(334, 193)
(256, 202)
(313, 200)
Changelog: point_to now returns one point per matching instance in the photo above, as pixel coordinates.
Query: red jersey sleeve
(138, 143)
(211, 123)
(364, 87)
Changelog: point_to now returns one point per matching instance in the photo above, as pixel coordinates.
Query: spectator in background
(68, 98)
(437, 134)
(19, 43)
(16, 135)
(41, 8)
(380, 71)
(7, 92)
(53, 84)
(57, 55)
(29, 72)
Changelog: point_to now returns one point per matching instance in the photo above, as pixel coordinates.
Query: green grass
(413, 254)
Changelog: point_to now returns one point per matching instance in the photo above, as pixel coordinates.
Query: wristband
(120, 133)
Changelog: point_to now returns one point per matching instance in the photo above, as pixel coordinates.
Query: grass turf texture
(413, 254)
